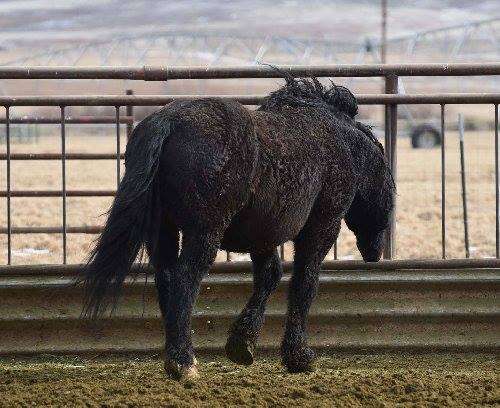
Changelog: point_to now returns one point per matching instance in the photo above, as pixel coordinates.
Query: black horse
(243, 181)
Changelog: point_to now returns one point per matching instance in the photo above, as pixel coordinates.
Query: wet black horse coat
(244, 181)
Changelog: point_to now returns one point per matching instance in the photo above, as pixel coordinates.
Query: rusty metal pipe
(156, 100)
(56, 193)
(443, 183)
(8, 179)
(53, 230)
(391, 121)
(164, 73)
(58, 156)
(246, 266)
(63, 181)
(97, 120)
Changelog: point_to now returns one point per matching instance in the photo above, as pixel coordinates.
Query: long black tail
(132, 220)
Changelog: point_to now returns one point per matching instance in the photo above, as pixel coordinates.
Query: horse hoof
(239, 351)
(178, 372)
(299, 361)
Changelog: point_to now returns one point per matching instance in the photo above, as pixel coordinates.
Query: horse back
(303, 163)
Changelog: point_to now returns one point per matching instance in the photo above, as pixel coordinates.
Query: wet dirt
(380, 380)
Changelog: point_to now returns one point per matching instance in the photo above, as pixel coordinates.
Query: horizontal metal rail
(98, 120)
(164, 73)
(156, 100)
(57, 193)
(53, 230)
(58, 156)
(246, 267)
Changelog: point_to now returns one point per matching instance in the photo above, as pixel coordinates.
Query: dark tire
(425, 136)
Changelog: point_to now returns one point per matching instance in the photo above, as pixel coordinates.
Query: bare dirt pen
(344, 381)
(418, 213)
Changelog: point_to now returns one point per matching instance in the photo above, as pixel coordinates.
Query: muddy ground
(343, 380)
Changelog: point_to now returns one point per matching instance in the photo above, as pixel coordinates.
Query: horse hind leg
(178, 288)
(311, 246)
(163, 255)
(267, 272)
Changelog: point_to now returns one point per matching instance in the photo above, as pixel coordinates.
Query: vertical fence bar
(391, 130)
(282, 252)
(63, 169)
(464, 183)
(443, 185)
(118, 147)
(129, 111)
(9, 214)
(335, 251)
(497, 190)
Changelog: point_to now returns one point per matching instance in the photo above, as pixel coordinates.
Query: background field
(418, 200)
(62, 22)
(57, 32)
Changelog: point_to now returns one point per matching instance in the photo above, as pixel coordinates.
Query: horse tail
(132, 221)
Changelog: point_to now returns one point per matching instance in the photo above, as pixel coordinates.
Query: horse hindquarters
(208, 166)
(206, 174)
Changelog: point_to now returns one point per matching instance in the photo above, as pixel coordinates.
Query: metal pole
(99, 120)
(166, 73)
(157, 100)
(383, 37)
(401, 266)
(63, 173)
(464, 189)
(443, 185)
(497, 190)
(391, 130)
(130, 113)
(9, 192)
(118, 146)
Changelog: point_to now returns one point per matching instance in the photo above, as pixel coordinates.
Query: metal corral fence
(447, 304)
(390, 100)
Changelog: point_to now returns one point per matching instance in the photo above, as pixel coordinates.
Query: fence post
(391, 130)
(497, 189)
(464, 183)
(129, 111)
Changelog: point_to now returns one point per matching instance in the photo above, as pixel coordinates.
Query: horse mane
(302, 92)
(367, 130)
(310, 92)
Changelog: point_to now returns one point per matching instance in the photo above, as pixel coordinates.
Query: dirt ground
(343, 381)
(418, 201)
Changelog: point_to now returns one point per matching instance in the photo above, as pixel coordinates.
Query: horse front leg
(181, 284)
(267, 272)
(311, 247)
